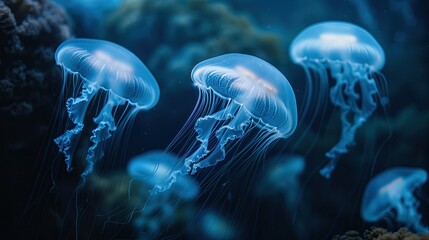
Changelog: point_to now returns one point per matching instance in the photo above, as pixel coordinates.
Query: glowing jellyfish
(213, 225)
(95, 65)
(393, 190)
(282, 175)
(238, 93)
(155, 166)
(353, 58)
(151, 169)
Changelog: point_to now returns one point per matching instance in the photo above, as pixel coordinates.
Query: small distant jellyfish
(150, 169)
(282, 175)
(94, 66)
(212, 225)
(393, 190)
(238, 93)
(353, 58)
(155, 166)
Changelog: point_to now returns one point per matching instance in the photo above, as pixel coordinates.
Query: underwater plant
(238, 93)
(93, 66)
(391, 190)
(150, 169)
(353, 58)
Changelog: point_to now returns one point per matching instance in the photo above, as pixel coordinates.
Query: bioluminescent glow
(95, 65)
(238, 93)
(393, 189)
(282, 176)
(352, 56)
(150, 169)
(211, 224)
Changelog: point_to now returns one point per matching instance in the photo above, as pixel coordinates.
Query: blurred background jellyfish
(210, 224)
(238, 93)
(147, 170)
(94, 65)
(392, 190)
(353, 58)
(282, 176)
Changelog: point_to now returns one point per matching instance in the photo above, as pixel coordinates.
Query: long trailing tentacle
(233, 130)
(360, 105)
(76, 108)
(157, 210)
(408, 214)
(105, 125)
(204, 127)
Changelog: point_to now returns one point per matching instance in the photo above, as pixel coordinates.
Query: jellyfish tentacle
(67, 142)
(348, 102)
(105, 125)
(408, 213)
(159, 207)
(233, 130)
(204, 128)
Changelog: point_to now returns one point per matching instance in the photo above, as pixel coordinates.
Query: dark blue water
(42, 200)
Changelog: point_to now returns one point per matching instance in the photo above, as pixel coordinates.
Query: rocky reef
(30, 31)
(376, 233)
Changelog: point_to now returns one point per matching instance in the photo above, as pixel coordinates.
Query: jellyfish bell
(96, 65)
(282, 175)
(110, 67)
(154, 167)
(210, 224)
(393, 189)
(329, 42)
(253, 84)
(185, 187)
(151, 167)
(353, 58)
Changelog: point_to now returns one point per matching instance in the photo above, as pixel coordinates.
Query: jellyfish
(282, 175)
(210, 224)
(150, 169)
(393, 190)
(353, 58)
(237, 93)
(94, 66)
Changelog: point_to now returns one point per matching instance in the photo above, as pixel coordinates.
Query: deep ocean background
(170, 37)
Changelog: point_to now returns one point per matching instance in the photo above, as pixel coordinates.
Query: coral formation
(376, 233)
(349, 235)
(30, 30)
